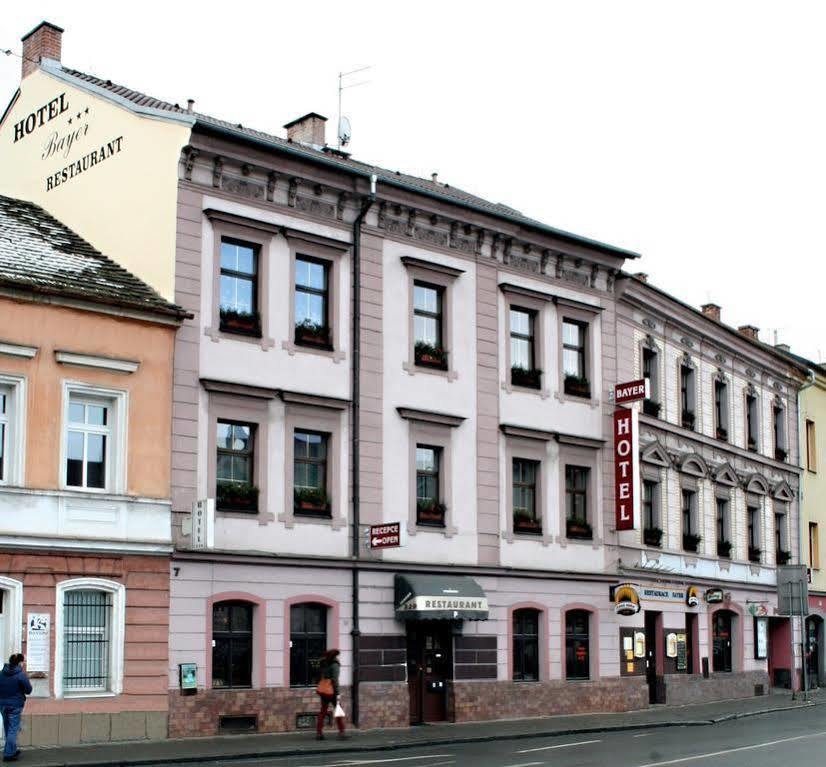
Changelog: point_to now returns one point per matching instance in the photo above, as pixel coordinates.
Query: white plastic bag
(338, 713)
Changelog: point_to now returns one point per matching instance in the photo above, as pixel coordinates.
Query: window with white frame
(12, 429)
(5, 431)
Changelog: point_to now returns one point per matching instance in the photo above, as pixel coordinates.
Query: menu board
(761, 638)
(682, 652)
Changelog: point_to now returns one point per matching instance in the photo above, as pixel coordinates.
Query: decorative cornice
(250, 223)
(9, 349)
(95, 361)
(427, 416)
(313, 400)
(420, 263)
(524, 433)
(575, 440)
(238, 389)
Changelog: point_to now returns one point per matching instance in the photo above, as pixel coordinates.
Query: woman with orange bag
(327, 690)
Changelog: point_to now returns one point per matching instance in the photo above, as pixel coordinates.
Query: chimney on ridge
(749, 331)
(308, 129)
(783, 348)
(43, 42)
(712, 311)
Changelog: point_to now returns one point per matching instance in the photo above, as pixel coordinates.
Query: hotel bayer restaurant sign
(64, 130)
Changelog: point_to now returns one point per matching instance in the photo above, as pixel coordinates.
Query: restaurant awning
(439, 597)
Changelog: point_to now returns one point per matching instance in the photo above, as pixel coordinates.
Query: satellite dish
(345, 132)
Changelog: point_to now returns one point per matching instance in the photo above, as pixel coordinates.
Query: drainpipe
(354, 436)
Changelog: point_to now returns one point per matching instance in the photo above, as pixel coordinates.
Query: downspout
(355, 425)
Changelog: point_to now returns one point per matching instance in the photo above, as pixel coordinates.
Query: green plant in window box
(688, 419)
(577, 386)
(311, 501)
(691, 541)
(578, 528)
(722, 433)
(652, 536)
(524, 521)
(238, 321)
(530, 378)
(430, 355)
(724, 549)
(430, 513)
(780, 454)
(650, 407)
(237, 496)
(754, 554)
(312, 333)
(783, 557)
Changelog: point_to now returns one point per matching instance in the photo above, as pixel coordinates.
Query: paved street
(789, 738)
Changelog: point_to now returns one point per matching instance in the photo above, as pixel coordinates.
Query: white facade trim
(15, 473)
(116, 637)
(70, 544)
(17, 350)
(13, 616)
(93, 361)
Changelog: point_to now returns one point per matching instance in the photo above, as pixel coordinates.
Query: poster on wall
(682, 652)
(639, 644)
(671, 645)
(37, 643)
(761, 638)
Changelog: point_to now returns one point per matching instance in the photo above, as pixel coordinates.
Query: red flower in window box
(577, 386)
(577, 528)
(531, 379)
(430, 355)
(237, 496)
(311, 501)
(312, 334)
(432, 513)
(236, 321)
(525, 522)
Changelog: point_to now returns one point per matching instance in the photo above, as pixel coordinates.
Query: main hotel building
(368, 347)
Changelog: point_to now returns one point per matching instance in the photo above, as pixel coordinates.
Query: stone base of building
(383, 704)
(480, 701)
(681, 689)
(77, 729)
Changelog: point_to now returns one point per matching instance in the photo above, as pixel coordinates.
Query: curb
(354, 747)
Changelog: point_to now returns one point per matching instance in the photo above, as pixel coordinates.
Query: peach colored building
(85, 537)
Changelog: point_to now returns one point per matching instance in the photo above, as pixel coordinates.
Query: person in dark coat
(14, 687)
(329, 668)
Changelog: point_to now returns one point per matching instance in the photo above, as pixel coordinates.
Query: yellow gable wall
(124, 198)
(813, 505)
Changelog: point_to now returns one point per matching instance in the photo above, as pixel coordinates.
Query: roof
(435, 189)
(42, 255)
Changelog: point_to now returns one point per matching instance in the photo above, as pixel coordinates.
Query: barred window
(87, 633)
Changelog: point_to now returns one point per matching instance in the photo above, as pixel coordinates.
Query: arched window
(232, 644)
(577, 644)
(308, 642)
(526, 645)
(722, 641)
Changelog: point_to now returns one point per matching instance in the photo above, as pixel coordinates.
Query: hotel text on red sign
(626, 468)
(385, 536)
(631, 391)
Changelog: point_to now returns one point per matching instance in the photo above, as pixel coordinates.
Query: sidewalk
(190, 750)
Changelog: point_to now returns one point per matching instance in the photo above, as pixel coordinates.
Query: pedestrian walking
(327, 689)
(14, 687)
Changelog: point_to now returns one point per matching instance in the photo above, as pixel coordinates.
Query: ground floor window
(577, 645)
(87, 636)
(526, 645)
(308, 642)
(721, 641)
(232, 644)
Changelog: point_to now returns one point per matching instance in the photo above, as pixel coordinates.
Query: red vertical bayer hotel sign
(626, 468)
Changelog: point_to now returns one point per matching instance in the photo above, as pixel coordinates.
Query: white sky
(690, 132)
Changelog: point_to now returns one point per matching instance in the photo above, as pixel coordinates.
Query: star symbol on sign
(70, 121)
(86, 111)
(78, 115)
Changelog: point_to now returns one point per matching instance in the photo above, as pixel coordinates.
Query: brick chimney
(783, 348)
(43, 42)
(307, 130)
(712, 311)
(749, 331)
(642, 276)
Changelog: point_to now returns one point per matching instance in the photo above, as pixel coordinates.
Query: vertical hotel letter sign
(626, 468)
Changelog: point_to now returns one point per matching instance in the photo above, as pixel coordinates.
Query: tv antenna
(344, 130)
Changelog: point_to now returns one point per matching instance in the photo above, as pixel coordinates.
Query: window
(577, 645)
(87, 443)
(811, 446)
(652, 532)
(814, 546)
(779, 424)
(753, 522)
(691, 538)
(235, 490)
(573, 359)
(427, 326)
(308, 642)
(232, 644)
(687, 399)
(751, 422)
(429, 508)
(721, 409)
(723, 542)
(87, 640)
(526, 645)
(12, 429)
(312, 312)
(576, 502)
(239, 288)
(524, 371)
(310, 474)
(781, 537)
(650, 371)
(5, 408)
(525, 517)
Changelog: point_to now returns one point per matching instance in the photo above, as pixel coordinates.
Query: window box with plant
(780, 454)
(754, 554)
(752, 445)
(524, 521)
(651, 407)
(722, 433)
(577, 386)
(578, 528)
(430, 355)
(652, 536)
(311, 502)
(724, 549)
(430, 513)
(783, 557)
(688, 419)
(531, 379)
(691, 541)
(239, 321)
(237, 496)
(309, 333)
